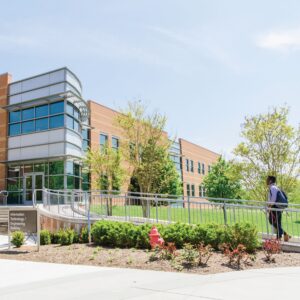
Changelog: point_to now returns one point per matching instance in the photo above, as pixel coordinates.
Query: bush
(55, 237)
(45, 237)
(128, 235)
(66, 237)
(271, 247)
(18, 238)
(84, 235)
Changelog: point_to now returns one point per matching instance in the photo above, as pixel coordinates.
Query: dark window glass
(14, 129)
(56, 167)
(200, 191)
(70, 182)
(76, 125)
(28, 127)
(41, 111)
(199, 168)
(70, 109)
(115, 143)
(14, 116)
(28, 168)
(77, 182)
(28, 114)
(57, 107)
(203, 169)
(76, 169)
(56, 182)
(70, 122)
(188, 189)
(41, 124)
(13, 184)
(39, 167)
(13, 171)
(193, 190)
(187, 165)
(57, 121)
(103, 139)
(192, 166)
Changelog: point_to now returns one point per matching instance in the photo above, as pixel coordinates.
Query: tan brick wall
(5, 79)
(197, 154)
(102, 120)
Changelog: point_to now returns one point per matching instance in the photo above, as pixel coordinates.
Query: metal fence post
(156, 208)
(189, 210)
(125, 207)
(87, 199)
(225, 213)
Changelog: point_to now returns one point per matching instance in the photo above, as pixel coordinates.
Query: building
(46, 126)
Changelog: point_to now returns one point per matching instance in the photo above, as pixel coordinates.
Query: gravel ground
(82, 254)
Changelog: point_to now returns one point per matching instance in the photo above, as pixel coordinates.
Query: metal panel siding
(72, 80)
(73, 150)
(73, 138)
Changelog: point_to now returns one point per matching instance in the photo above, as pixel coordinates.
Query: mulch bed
(82, 254)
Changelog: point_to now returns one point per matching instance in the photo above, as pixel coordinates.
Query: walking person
(277, 201)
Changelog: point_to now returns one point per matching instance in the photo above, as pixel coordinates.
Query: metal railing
(154, 208)
(3, 197)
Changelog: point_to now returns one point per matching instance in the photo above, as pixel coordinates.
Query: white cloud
(288, 40)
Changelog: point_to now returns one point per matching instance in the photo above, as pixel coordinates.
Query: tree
(105, 165)
(222, 181)
(271, 147)
(145, 148)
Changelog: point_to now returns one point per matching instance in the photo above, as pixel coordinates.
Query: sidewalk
(31, 280)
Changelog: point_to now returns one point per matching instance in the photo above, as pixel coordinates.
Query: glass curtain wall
(56, 174)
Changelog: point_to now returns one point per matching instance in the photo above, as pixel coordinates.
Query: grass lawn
(290, 220)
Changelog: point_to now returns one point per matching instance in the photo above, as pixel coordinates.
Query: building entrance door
(32, 181)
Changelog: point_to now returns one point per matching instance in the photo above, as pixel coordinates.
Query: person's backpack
(282, 201)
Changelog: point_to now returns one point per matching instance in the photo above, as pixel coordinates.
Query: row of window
(190, 190)
(189, 166)
(43, 117)
(115, 143)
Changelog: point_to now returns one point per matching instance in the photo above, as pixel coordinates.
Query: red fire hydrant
(155, 239)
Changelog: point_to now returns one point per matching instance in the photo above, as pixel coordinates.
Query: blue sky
(205, 64)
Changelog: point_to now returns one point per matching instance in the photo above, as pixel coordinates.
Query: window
(56, 167)
(14, 129)
(36, 119)
(187, 165)
(41, 124)
(103, 139)
(28, 127)
(209, 168)
(188, 191)
(200, 191)
(42, 111)
(70, 109)
(86, 139)
(76, 126)
(70, 122)
(203, 169)
(115, 143)
(193, 190)
(15, 116)
(57, 107)
(192, 166)
(199, 168)
(27, 114)
(57, 121)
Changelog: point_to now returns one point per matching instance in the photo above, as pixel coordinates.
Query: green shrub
(55, 237)
(84, 235)
(18, 238)
(45, 237)
(122, 235)
(76, 238)
(66, 237)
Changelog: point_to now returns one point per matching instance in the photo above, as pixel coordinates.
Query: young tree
(222, 181)
(105, 165)
(146, 148)
(271, 147)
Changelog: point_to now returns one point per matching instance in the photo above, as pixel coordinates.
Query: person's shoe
(286, 237)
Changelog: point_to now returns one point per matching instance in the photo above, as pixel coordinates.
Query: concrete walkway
(29, 280)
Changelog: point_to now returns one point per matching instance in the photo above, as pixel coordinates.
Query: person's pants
(275, 217)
